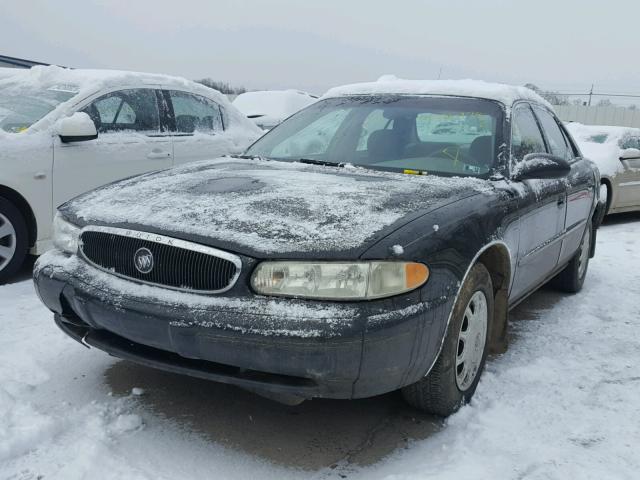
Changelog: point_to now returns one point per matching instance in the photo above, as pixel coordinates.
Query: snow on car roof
(587, 132)
(389, 84)
(600, 143)
(85, 82)
(274, 104)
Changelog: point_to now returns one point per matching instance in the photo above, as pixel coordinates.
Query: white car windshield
(23, 105)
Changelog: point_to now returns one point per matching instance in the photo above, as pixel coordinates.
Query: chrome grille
(176, 264)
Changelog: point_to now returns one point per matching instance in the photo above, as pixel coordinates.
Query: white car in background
(64, 132)
(616, 151)
(269, 108)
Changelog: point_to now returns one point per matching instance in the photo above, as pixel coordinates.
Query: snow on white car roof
(272, 105)
(85, 82)
(389, 84)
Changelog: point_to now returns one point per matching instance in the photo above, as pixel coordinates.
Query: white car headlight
(65, 235)
(338, 280)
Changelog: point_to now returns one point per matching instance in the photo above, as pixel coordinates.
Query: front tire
(571, 279)
(454, 377)
(13, 240)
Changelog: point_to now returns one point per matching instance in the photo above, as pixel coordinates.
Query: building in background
(599, 115)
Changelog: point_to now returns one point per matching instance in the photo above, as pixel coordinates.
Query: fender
(464, 278)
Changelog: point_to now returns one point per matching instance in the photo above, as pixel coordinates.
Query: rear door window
(194, 113)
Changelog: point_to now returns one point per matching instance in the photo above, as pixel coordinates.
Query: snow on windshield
(270, 206)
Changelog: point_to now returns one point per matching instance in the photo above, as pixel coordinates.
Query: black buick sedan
(356, 249)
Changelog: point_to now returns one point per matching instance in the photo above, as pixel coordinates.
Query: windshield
(416, 134)
(23, 105)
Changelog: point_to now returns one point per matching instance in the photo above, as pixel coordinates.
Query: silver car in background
(616, 151)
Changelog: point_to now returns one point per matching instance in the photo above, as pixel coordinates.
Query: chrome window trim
(162, 240)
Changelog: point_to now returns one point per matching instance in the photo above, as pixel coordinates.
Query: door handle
(153, 154)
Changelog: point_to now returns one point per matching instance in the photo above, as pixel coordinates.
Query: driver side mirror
(540, 166)
(630, 154)
(77, 128)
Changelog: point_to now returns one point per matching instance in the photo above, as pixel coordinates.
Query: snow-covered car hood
(258, 207)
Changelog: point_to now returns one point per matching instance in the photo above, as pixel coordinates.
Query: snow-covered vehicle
(64, 132)
(616, 151)
(375, 257)
(268, 108)
(9, 72)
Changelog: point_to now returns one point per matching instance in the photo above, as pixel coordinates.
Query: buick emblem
(143, 260)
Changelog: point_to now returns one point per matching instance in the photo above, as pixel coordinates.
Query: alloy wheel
(471, 341)
(584, 253)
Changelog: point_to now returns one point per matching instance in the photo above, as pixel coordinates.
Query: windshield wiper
(324, 163)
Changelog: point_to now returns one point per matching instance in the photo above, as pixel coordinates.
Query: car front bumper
(277, 347)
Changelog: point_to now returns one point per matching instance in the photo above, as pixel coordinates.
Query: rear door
(542, 207)
(130, 141)
(198, 127)
(579, 183)
(629, 179)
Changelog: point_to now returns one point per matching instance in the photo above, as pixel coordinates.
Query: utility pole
(590, 94)
(440, 73)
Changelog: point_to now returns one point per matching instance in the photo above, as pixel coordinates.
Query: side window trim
(543, 132)
(164, 111)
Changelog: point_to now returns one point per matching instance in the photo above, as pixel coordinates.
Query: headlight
(338, 281)
(65, 235)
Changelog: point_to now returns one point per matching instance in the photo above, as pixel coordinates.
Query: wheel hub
(7, 241)
(471, 340)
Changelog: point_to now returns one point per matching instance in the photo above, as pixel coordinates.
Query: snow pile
(270, 107)
(271, 206)
(601, 144)
(389, 84)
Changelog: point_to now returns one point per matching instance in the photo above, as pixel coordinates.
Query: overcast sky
(312, 45)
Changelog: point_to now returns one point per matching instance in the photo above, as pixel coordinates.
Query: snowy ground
(564, 402)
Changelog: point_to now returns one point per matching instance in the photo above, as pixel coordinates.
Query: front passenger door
(542, 206)
(130, 142)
